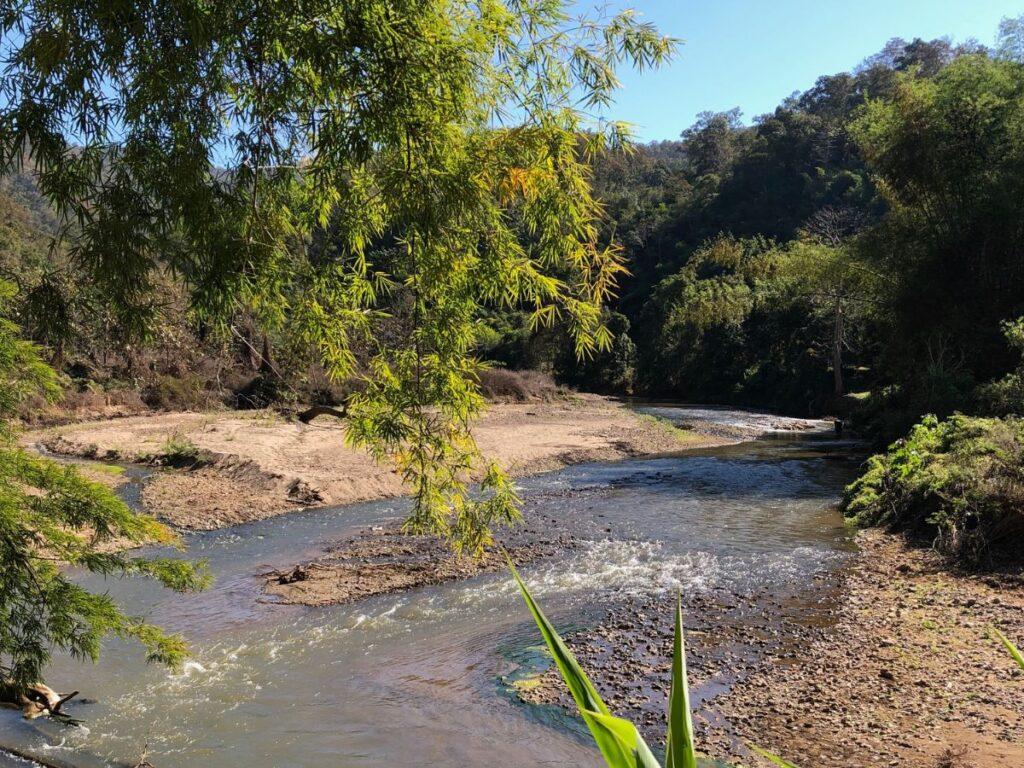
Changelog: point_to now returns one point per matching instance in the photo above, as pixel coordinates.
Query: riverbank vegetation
(788, 263)
(807, 262)
(822, 251)
(958, 482)
(52, 518)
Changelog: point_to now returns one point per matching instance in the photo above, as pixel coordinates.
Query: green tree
(1006, 395)
(611, 371)
(713, 141)
(51, 518)
(1010, 42)
(948, 153)
(824, 267)
(441, 139)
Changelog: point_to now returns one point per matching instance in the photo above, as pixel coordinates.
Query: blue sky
(753, 53)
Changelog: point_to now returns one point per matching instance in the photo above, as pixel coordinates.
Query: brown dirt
(899, 669)
(383, 560)
(257, 465)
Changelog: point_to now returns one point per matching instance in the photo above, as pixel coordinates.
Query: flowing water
(415, 678)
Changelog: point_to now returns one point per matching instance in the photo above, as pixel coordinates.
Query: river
(417, 678)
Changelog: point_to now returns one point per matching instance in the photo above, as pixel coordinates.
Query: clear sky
(751, 54)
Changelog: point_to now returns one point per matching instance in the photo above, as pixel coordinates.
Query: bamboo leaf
(680, 751)
(771, 757)
(1013, 649)
(620, 743)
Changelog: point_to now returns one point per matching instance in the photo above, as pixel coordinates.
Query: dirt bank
(383, 560)
(255, 465)
(896, 668)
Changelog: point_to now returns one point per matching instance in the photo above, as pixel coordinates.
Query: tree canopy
(444, 143)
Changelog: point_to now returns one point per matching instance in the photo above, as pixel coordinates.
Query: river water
(416, 678)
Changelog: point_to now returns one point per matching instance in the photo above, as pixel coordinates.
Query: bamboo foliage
(445, 143)
(52, 517)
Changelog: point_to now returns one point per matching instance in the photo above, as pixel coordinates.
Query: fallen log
(32, 759)
(321, 410)
(34, 700)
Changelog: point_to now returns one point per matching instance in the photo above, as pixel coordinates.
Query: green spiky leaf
(1008, 644)
(621, 736)
(680, 751)
(771, 756)
(619, 741)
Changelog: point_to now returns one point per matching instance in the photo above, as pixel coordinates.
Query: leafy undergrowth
(960, 481)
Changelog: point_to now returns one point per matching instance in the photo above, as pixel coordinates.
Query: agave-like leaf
(679, 750)
(770, 756)
(619, 741)
(623, 737)
(1008, 644)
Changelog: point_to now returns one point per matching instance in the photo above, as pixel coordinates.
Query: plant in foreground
(1013, 650)
(619, 741)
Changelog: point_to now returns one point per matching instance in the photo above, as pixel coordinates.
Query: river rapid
(420, 677)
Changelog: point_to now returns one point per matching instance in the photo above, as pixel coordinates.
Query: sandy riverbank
(895, 668)
(258, 464)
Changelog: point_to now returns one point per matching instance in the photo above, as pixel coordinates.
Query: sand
(258, 464)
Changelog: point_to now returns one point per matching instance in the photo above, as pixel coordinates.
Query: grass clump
(959, 480)
(106, 469)
(670, 429)
(178, 451)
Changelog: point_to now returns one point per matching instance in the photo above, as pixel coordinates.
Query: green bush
(1006, 395)
(960, 480)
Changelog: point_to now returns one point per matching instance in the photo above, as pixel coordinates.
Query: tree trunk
(837, 350)
(321, 410)
(266, 361)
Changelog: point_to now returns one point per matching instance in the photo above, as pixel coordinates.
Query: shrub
(1006, 395)
(516, 386)
(960, 480)
(177, 393)
(179, 449)
(262, 391)
(83, 400)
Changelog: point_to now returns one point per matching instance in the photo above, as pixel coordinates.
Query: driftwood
(143, 761)
(321, 410)
(33, 759)
(298, 573)
(35, 700)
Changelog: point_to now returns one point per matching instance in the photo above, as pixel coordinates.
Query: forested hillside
(856, 249)
(870, 225)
